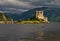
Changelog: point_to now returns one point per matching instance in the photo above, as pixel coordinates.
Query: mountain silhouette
(4, 17)
(53, 14)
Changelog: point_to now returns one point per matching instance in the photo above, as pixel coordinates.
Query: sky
(18, 6)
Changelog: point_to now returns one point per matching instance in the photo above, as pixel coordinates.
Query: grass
(30, 22)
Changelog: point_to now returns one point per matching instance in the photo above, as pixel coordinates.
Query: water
(30, 32)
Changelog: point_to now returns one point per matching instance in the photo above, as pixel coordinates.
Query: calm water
(30, 32)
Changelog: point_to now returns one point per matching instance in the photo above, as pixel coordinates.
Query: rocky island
(38, 18)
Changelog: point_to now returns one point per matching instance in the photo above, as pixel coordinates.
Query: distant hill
(7, 17)
(53, 14)
(13, 16)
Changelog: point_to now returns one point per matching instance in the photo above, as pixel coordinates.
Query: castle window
(40, 12)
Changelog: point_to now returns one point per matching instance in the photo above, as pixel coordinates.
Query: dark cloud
(44, 3)
(28, 4)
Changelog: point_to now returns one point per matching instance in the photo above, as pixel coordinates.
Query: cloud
(50, 3)
(57, 2)
(29, 3)
(16, 3)
(12, 10)
(24, 5)
(15, 9)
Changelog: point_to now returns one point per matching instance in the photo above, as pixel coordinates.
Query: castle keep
(39, 15)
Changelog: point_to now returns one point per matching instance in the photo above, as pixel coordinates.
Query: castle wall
(39, 15)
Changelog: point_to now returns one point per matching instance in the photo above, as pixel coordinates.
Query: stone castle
(39, 15)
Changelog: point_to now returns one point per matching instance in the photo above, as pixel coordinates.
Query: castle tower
(39, 14)
(46, 19)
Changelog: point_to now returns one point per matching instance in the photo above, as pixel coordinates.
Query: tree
(41, 20)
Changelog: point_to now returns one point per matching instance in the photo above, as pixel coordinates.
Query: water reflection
(33, 36)
(35, 32)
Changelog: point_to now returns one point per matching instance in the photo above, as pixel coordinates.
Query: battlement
(40, 15)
